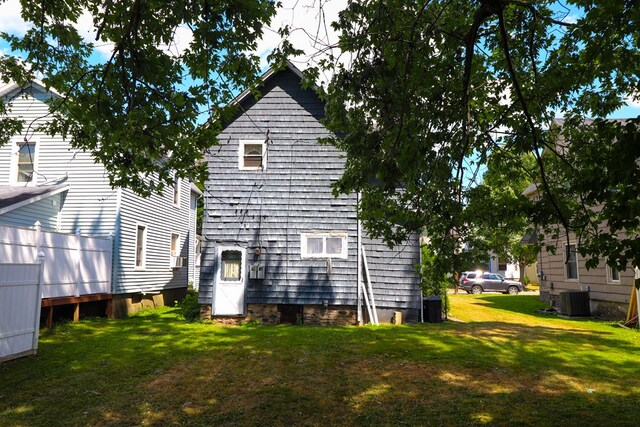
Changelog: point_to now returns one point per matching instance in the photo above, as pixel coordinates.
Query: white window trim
(16, 142)
(610, 278)
(144, 247)
(324, 255)
(244, 142)
(564, 265)
(171, 256)
(176, 190)
(197, 254)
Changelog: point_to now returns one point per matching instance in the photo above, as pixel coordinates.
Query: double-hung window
(141, 246)
(613, 274)
(176, 190)
(252, 155)
(26, 155)
(323, 245)
(571, 261)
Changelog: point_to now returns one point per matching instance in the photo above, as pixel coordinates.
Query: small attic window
(252, 155)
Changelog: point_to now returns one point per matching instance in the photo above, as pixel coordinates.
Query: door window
(231, 270)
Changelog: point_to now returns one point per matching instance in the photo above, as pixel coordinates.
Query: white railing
(76, 264)
(20, 289)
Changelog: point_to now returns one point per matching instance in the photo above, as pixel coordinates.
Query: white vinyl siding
(158, 213)
(90, 204)
(97, 209)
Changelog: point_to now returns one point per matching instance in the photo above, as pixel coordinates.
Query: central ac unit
(178, 261)
(575, 303)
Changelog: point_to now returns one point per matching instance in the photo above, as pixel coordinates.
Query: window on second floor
(26, 162)
(252, 155)
(176, 190)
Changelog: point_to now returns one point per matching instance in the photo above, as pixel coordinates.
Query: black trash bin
(432, 307)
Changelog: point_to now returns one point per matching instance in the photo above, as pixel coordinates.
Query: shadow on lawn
(154, 369)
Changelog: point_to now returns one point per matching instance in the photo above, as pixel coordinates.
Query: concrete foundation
(334, 315)
(127, 304)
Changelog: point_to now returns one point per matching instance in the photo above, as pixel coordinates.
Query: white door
(230, 285)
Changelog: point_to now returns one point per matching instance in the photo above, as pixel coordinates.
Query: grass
(502, 364)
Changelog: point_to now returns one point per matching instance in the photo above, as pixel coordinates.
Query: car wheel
(475, 289)
(513, 290)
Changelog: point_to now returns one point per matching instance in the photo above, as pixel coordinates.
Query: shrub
(189, 306)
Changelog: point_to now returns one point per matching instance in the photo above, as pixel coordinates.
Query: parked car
(477, 282)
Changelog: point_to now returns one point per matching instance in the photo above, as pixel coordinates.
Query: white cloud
(182, 37)
(633, 100)
(10, 19)
(12, 23)
(310, 25)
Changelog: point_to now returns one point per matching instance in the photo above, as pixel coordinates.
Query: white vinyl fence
(75, 265)
(20, 289)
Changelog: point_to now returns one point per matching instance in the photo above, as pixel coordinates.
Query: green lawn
(502, 365)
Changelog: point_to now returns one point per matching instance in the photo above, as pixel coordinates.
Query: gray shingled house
(277, 246)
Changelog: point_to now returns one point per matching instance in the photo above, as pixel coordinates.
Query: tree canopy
(148, 109)
(435, 89)
(424, 95)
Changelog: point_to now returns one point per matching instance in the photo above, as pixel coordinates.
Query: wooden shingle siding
(394, 273)
(270, 209)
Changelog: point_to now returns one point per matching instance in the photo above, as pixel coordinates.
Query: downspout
(359, 267)
(115, 249)
(420, 275)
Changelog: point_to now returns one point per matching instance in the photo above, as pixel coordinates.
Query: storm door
(230, 282)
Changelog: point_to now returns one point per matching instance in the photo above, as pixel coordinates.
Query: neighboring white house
(43, 178)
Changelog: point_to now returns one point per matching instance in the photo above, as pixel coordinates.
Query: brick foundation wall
(332, 315)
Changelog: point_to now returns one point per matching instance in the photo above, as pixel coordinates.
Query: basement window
(252, 155)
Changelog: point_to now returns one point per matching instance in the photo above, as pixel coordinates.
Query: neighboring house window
(175, 259)
(323, 245)
(231, 270)
(175, 244)
(613, 274)
(571, 266)
(198, 251)
(252, 155)
(502, 264)
(26, 162)
(176, 190)
(141, 246)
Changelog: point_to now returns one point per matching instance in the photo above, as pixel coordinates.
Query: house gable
(272, 212)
